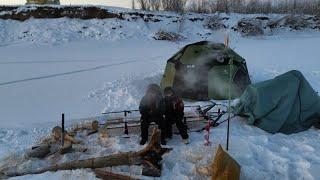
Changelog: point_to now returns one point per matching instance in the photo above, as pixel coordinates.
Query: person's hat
(154, 88)
(168, 90)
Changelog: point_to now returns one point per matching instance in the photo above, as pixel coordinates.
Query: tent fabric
(200, 71)
(286, 104)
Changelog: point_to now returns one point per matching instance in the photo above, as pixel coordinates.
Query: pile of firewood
(149, 158)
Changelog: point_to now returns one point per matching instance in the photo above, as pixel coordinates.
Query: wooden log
(151, 171)
(120, 159)
(92, 126)
(66, 148)
(40, 151)
(107, 175)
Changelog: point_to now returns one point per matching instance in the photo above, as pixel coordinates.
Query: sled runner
(195, 119)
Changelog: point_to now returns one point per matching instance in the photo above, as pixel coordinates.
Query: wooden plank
(107, 175)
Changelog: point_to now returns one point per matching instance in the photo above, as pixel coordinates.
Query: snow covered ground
(54, 70)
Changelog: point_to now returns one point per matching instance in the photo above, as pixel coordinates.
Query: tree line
(231, 6)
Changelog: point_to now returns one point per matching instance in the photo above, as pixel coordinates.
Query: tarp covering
(286, 104)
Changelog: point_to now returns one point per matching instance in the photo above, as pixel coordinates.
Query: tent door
(191, 81)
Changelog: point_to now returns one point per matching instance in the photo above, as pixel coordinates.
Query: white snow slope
(54, 70)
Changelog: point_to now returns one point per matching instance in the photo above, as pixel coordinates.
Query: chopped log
(57, 136)
(39, 151)
(151, 154)
(107, 175)
(223, 167)
(103, 135)
(92, 126)
(66, 148)
(151, 171)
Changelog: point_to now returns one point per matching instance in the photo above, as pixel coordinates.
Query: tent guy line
(74, 72)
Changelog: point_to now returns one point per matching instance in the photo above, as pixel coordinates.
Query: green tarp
(286, 104)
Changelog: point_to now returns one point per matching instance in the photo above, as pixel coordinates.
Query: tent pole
(63, 132)
(229, 101)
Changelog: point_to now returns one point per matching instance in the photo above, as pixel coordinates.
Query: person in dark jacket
(174, 113)
(152, 108)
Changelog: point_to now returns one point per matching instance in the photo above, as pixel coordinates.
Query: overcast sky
(121, 3)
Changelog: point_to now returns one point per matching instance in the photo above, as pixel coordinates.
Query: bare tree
(155, 5)
(201, 6)
(144, 5)
(267, 7)
(318, 8)
(133, 4)
(173, 5)
(238, 6)
(222, 6)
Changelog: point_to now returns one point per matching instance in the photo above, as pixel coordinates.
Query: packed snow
(48, 67)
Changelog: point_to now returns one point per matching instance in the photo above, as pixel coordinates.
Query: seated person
(152, 109)
(174, 114)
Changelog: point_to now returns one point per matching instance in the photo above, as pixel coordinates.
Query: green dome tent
(200, 71)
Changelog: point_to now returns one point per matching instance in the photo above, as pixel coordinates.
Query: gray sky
(120, 3)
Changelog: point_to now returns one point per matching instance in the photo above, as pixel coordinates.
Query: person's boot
(185, 141)
(163, 142)
(317, 124)
(169, 131)
(143, 142)
(168, 136)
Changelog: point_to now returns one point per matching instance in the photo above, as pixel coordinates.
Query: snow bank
(129, 24)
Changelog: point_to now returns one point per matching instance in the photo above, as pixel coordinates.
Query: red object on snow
(207, 134)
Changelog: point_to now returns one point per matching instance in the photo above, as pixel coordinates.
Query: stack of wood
(149, 158)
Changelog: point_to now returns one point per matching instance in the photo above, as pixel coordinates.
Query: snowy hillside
(85, 67)
(114, 24)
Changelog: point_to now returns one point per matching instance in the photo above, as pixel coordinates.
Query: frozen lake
(39, 82)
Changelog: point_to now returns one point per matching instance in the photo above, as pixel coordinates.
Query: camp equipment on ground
(207, 134)
(200, 71)
(286, 104)
(196, 117)
(212, 119)
(126, 130)
(223, 167)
